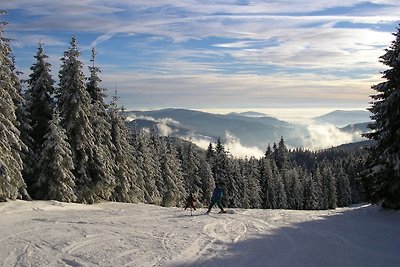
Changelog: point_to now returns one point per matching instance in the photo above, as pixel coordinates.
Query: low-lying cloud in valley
(313, 136)
(321, 136)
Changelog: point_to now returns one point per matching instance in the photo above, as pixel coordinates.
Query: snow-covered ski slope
(48, 233)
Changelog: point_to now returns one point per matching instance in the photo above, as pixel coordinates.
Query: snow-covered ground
(49, 233)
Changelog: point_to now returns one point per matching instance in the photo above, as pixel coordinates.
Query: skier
(216, 199)
(190, 201)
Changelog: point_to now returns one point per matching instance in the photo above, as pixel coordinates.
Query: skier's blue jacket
(217, 194)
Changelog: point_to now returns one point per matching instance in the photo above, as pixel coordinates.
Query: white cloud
(231, 144)
(162, 124)
(164, 129)
(102, 38)
(327, 135)
(201, 141)
(237, 149)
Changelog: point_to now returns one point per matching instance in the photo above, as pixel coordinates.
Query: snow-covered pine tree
(155, 147)
(329, 186)
(250, 170)
(382, 179)
(128, 178)
(295, 196)
(281, 155)
(102, 162)
(280, 192)
(146, 163)
(317, 180)
(190, 168)
(24, 125)
(11, 181)
(342, 187)
(173, 191)
(74, 105)
(56, 179)
(39, 105)
(220, 162)
(267, 183)
(231, 186)
(210, 153)
(207, 180)
(311, 196)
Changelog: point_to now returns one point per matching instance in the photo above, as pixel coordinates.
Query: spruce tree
(74, 105)
(231, 186)
(220, 163)
(40, 107)
(295, 196)
(11, 181)
(173, 191)
(149, 167)
(210, 153)
(155, 151)
(342, 187)
(56, 179)
(102, 163)
(190, 168)
(382, 179)
(128, 178)
(254, 188)
(267, 183)
(207, 180)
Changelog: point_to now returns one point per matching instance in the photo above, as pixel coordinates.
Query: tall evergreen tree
(40, 107)
(210, 153)
(190, 168)
(56, 179)
(147, 164)
(311, 197)
(254, 188)
(295, 196)
(232, 183)
(382, 179)
(74, 105)
(11, 181)
(220, 162)
(207, 180)
(342, 187)
(329, 187)
(129, 179)
(173, 190)
(102, 163)
(156, 151)
(267, 183)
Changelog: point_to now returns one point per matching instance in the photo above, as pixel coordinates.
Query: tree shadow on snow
(367, 236)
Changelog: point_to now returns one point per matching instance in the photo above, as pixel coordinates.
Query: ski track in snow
(49, 233)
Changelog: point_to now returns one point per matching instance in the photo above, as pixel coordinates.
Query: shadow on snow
(367, 236)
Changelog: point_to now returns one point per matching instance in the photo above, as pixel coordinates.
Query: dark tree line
(290, 179)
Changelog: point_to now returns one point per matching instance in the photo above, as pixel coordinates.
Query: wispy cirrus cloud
(254, 51)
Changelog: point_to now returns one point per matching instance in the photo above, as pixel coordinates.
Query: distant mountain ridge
(250, 114)
(342, 118)
(253, 129)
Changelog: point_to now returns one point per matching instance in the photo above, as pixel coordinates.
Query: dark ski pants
(215, 201)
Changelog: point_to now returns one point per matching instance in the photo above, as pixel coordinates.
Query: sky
(216, 54)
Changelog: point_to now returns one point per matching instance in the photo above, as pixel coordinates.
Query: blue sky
(216, 54)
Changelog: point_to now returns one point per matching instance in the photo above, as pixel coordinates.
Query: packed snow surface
(49, 233)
